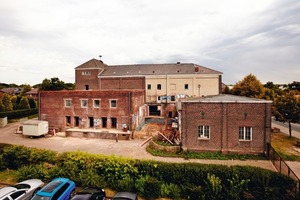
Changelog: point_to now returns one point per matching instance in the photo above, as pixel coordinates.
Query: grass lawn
(285, 146)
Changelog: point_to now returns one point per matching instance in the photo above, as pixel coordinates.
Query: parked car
(57, 189)
(125, 196)
(21, 191)
(90, 194)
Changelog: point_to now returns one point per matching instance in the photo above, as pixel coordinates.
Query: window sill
(245, 140)
(203, 138)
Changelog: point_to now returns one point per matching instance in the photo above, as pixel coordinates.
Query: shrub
(170, 190)
(31, 172)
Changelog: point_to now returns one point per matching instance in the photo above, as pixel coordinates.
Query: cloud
(51, 37)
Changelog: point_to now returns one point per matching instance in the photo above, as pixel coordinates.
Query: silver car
(21, 191)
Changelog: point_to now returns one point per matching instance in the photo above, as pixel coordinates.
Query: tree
(24, 103)
(14, 102)
(25, 88)
(250, 86)
(32, 103)
(294, 86)
(2, 109)
(52, 84)
(7, 103)
(287, 109)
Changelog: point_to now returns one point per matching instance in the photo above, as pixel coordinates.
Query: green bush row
(149, 179)
(18, 113)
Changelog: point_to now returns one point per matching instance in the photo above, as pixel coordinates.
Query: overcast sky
(48, 38)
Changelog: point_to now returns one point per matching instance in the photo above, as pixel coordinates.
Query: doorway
(113, 122)
(104, 122)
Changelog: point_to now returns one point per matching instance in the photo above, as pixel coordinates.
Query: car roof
(51, 187)
(125, 195)
(6, 190)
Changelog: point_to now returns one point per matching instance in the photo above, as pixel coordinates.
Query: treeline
(149, 179)
(286, 98)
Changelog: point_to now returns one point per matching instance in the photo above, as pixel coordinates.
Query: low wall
(170, 149)
(3, 122)
(98, 135)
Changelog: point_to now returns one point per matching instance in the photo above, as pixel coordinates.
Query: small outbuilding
(225, 123)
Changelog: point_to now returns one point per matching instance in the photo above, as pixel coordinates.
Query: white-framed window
(113, 103)
(148, 86)
(96, 103)
(84, 103)
(86, 73)
(68, 103)
(203, 132)
(245, 133)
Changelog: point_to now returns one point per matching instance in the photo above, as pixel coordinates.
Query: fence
(283, 168)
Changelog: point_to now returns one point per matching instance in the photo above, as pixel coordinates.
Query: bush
(149, 179)
(16, 114)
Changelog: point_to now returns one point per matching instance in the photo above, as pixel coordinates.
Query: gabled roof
(156, 69)
(33, 91)
(92, 64)
(225, 98)
(12, 91)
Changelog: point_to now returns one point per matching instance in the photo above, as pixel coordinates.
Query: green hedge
(19, 113)
(150, 179)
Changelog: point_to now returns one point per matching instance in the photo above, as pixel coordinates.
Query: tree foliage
(55, 84)
(8, 106)
(250, 86)
(287, 109)
(24, 103)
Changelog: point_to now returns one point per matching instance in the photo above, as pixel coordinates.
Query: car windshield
(38, 197)
(51, 186)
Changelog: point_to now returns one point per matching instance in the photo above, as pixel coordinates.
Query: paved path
(124, 148)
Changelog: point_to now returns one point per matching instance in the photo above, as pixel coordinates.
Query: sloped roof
(33, 91)
(92, 64)
(156, 69)
(225, 98)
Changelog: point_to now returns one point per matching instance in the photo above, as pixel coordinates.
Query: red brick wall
(52, 106)
(224, 120)
(91, 80)
(122, 83)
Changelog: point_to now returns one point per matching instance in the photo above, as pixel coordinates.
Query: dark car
(57, 189)
(90, 194)
(125, 196)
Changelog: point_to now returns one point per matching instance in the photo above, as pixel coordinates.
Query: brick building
(225, 123)
(109, 109)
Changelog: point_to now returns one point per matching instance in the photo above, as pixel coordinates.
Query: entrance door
(76, 121)
(104, 122)
(113, 122)
(91, 121)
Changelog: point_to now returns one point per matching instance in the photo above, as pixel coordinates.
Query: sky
(48, 38)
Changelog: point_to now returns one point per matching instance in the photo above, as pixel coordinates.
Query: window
(84, 103)
(67, 103)
(159, 86)
(96, 103)
(113, 103)
(186, 86)
(203, 132)
(87, 87)
(86, 73)
(149, 86)
(245, 133)
(172, 98)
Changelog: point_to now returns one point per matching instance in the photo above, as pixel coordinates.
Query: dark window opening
(170, 115)
(113, 122)
(186, 86)
(159, 86)
(153, 110)
(172, 98)
(149, 86)
(87, 87)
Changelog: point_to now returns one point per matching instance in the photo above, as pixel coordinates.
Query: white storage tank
(35, 127)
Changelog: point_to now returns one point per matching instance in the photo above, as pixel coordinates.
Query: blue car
(57, 189)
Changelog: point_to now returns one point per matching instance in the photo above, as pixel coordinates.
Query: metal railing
(283, 168)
